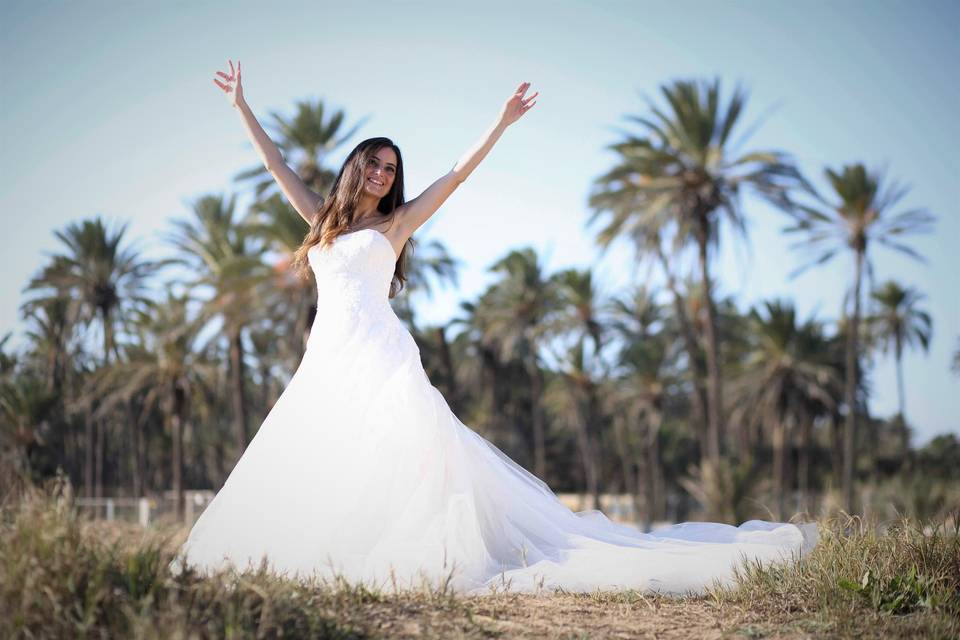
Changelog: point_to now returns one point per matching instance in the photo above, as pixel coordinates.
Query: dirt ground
(582, 616)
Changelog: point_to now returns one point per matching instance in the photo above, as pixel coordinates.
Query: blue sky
(109, 108)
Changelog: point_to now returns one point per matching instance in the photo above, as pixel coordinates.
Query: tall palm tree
(579, 308)
(516, 314)
(223, 256)
(899, 323)
(644, 358)
(164, 370)
(785, 373)
(282, 230)
(684, 176)
(305, 139)
(105, 283)
(480, 367)
(568, 398)
(859, 215)
(49, 335)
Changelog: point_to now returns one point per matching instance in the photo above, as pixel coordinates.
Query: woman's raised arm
(303, 199)
(417, 211)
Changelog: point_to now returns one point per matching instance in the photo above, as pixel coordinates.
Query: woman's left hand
(517, 105)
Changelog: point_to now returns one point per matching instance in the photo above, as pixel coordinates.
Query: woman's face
(380, 171)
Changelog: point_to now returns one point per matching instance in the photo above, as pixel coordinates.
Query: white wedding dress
(361, 469)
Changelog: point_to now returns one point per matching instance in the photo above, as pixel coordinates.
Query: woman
(361, 469)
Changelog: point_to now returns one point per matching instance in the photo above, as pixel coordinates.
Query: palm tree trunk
(698, 396)
(779, 429)
(653, 472)
(836, 448)
(493, 372)
(137, 470)
(98, 461)
(88, 430)
(142, 457)
(714, 392)
(803, 462)
(850, 434)
(587, 459)
(449, 378)
(176, 433)
(626, 463)
(100, 443)
(902, 422)
(901, 396)
(585, 444)
(539, 433)
(593, 431)
(239, 395)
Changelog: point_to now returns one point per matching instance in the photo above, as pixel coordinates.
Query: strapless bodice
(355, 269)
(353, 277)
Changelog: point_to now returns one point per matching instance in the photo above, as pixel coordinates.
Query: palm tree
(221, 255)
(515, 321)
(786, 372)
(578, 316)
(480, 367)
(164, 369)
(104, 283)
(26, 404)
(682, 178)
(899, 323)
(859, 216)
(282, 230)
(644, 358)
(308, 138)
(427, 266)
(568, 398)
(49, 335)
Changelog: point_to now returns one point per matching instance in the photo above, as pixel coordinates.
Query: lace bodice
(353, 277)
(360, 262)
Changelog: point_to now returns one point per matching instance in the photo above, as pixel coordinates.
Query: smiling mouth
(379, 184)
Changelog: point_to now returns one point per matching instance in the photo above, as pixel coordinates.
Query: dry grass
(64, 576)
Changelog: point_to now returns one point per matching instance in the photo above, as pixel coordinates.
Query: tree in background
(899, 323)
(222, 255)
(786, 372)
(305, 140)
(103, 283)
(685, 174)
(516, 314)
(859, 215)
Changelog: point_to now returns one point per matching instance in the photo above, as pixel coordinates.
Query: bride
(361, 469)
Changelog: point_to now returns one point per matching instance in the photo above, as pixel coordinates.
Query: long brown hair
(335, 216)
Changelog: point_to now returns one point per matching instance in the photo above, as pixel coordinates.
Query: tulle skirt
(362, 470)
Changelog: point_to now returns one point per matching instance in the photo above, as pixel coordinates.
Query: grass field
(63, 576)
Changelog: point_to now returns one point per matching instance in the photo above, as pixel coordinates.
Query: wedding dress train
(361, 469)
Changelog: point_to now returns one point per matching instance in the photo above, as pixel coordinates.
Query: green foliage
(894, 567)
(896, 594)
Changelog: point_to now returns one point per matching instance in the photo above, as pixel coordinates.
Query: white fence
(146, 510)
(616, 506)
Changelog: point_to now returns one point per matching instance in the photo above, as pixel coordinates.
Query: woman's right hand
(233, 88)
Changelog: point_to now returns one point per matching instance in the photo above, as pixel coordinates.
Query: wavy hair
(336, 213)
